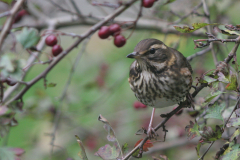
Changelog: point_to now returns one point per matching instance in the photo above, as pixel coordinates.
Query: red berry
(179, 112)
(104, 32)
(114, 28)
(11, 82)
(119, 41)
(138, 105)
(56, 50)
(19, 15)
(51, 40)
(148, 3)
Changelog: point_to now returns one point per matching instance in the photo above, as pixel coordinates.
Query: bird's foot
(151, 133)
(190, 101)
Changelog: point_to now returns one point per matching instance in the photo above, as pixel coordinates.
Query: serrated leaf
(6, 154)
(82, 154)
(51, 84)
(108, 152)
(28, 37)
(233, 122)
(111, 134)
(232, 153)
(193, 130)
(235, 134)
(195, 26)
(6, 1)
(212, 95)
(208, 79)
(215, 111)
(229, 32)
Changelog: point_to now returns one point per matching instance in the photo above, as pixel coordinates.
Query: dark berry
(138, 105)
(119, 40)
(179, 112)
(148, 3)
(114, 28)
(19, 15)
(56, 50)
(104, 32)
(51, 40)
(10, 82)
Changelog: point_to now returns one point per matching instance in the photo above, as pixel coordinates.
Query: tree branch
(8, 24)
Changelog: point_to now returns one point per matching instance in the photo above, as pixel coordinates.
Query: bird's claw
(151, 133)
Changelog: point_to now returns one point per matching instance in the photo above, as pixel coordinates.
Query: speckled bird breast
(161, 90)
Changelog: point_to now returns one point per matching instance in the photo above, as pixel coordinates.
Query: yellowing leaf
(193, 130)
(111, 135)
(195, 26)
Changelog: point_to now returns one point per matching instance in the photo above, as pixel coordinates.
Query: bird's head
(152, 54)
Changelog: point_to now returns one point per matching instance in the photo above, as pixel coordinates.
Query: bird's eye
(152, 50)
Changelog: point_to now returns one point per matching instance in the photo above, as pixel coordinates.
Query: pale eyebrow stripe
(162, 46)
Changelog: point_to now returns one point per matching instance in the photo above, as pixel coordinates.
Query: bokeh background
(99, 86)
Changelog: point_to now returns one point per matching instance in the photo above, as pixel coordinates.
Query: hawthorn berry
(119, 40)
(19, 15)
(148, 3)
(138, 105)
(114, 29)
(104, 32)
(10, 82)
(56, 50)
(51, 40)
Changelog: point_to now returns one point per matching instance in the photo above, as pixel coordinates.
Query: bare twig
(8, 24)
(189, 58)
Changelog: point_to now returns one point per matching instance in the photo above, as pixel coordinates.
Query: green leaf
(124, 148)
(198, 148)
(212, 95)
(215, 111)
(6, 63)
(233, 122)
(169, 1)
(82, 154)
(6, 1)
(111, 135)
(222, 78)
(193, 130)
(108, 152)
(195, 26)
(51, 84)
(207, 79)
(28, 37)
(6, 154)
(235, 134)
(233, 83)
(232, 153)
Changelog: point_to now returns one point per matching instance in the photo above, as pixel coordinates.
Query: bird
(160, 76)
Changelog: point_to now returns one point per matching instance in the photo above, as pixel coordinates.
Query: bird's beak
(132, 55)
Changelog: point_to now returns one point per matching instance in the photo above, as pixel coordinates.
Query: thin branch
(187, 15)
(7, 13)
(75, 44)
(201, 158)
(8, 24)
(189, 58)
(76, 9)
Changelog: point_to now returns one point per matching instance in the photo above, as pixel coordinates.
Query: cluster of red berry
(148, 3)
(9, 81)
(52, 41)
(112, 30)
